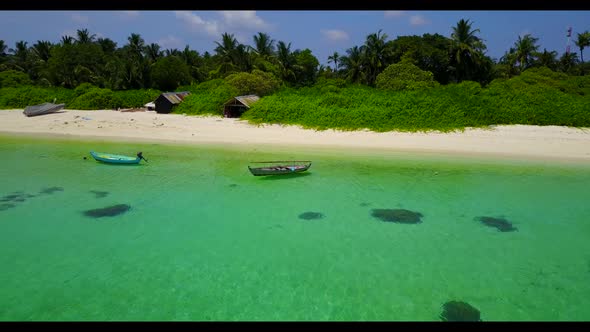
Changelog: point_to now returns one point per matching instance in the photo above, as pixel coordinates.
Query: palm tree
(20, 55)
(136, 44)
(227, 47)
(226, 50)
(547, 59)
(242, 58)
(153, 52)
(377, 55)
(466, 49)
(3, 48)
(353, 64)
(335, 58)
(3, 54)
(42, 49)
(568, 62)
(172, 52)
(526, 49)
(136, 70)
(108, 46)
(583, 42)
(286, 61)
(67, 40)
(263, 45)
(84, 37)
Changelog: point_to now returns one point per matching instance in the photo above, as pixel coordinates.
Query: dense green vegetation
(409, 83)
(536, 97)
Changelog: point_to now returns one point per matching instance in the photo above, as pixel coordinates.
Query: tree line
(138, 65)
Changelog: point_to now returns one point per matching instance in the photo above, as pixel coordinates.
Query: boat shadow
(284, 176)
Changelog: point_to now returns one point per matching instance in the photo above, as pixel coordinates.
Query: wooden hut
(236, 106)
(167, 101)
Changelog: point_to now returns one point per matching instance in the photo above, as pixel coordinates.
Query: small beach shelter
(168, 100)
(234, 107)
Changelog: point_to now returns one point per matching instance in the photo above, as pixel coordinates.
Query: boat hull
(41, 109)
(114, 158)
(278, 170)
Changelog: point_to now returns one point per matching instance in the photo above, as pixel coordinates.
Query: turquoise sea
(204, 240)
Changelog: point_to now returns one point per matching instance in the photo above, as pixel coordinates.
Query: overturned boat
(41, 109)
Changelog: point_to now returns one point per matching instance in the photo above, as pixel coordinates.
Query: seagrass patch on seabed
(501, 224)
(311, 215)
(459, 311)
(99, 194)
(400, 216)
(109, 211)
(51, 190)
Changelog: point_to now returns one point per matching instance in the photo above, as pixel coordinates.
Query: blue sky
(324, 32)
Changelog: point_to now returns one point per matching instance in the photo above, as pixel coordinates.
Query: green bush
(255, 83)
(136, 98)
(405, 76)
(169, 73)
(22, 97)
(96, 99)
(13, 78)
(207, 98)
(538, 98)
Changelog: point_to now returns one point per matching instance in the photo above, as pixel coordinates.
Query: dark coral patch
(99, 194)
(109, 211)
(233, 185)
(459, 311)
(311, 215)
(51, 190)
(500, 224)
(400, 216)
(6, 206)
(365, 204)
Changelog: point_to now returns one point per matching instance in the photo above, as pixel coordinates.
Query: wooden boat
(116, 159)
(279, 167)
(45, 108)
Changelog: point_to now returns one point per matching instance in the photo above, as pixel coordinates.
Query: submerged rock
(99, 194)
(51, 190)
(311, 215)
(18, 196)
(401, 216)
(459, 311)
(501, 224)
(6, 206)
(109, 211)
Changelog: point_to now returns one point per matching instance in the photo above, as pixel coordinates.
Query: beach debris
(311, 215)
(99, 194)
(131, 109)
(51, 190)
(501, 224)
(109, 211)
(400, 216)
(459, 311)
(6, 206)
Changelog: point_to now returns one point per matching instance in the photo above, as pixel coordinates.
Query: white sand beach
(517, 141)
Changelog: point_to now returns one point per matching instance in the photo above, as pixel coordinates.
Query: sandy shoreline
(515, 141)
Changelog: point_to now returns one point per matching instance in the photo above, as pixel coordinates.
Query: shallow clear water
(206, 240)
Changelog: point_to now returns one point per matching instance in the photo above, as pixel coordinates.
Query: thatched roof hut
(234, 107)
(166, 101)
